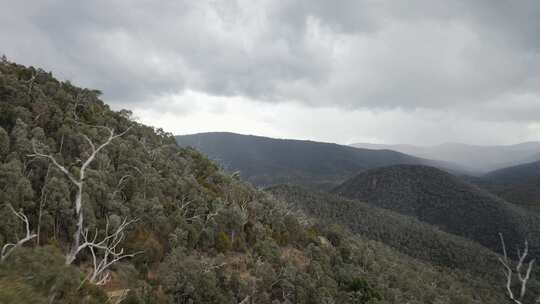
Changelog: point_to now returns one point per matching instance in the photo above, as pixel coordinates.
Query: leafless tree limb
(119, 186)
(8, 248)
(523, 276)
(79, 183)
(108, 247)
(245, 300)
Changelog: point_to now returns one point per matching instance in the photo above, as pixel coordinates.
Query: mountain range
(478, 159)
(267, 161)
(517, 184)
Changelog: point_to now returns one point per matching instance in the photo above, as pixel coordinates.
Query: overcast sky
(420, 72)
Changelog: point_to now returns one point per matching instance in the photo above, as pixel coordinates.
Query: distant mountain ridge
(480, 159)
(443, 200)
(517, 184)
(515, 174)
(268, 161)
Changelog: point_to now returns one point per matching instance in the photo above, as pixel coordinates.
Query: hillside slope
(200, 235)
(515, 174)
(440, 199)
(267, 161)
(405, 233)
(517, 184)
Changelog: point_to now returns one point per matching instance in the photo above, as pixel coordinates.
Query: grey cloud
(446, 55)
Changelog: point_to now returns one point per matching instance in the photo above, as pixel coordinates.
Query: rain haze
(416, 72)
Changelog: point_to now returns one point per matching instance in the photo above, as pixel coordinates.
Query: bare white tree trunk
(8, 248)
(76, 246)
(522, 275)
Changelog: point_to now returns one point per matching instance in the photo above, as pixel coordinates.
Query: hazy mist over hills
(480, 159)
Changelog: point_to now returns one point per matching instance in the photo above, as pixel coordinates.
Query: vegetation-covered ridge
(267, 161)
(192, 233)
(443, 200)
(404, 233)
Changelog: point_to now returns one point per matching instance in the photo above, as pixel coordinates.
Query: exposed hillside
(199, 235)
(405, 233)
(479, 159)
(440, 199)
(267, 161)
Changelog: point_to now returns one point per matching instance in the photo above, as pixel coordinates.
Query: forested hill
(267, 161)
(515, 174)
(405, 233)
(161, 224)
(517, 184)
(440, 199)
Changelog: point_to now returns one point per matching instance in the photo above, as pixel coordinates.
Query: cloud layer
(476, 61)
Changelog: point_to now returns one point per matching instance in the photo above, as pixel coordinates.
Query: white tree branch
(522, 276)
(8, 248)
(76, 246)
(110, 253)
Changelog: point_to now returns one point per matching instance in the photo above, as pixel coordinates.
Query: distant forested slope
(443, 200)
(519, 184)
(405, 233)
(515, 174)
(267, 161)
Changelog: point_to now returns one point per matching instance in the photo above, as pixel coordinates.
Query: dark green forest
(443, 200)
(162, 224)
(404, 233)
(517, 184)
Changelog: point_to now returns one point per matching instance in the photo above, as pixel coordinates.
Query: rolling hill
(267, 161)
(404, 233)
(517, 184)
(443, 200)
(478, 159)
(514, 174)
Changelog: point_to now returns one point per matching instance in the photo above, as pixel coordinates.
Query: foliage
(32, 275)
(206, 237)
(404, 233)
(440, 199)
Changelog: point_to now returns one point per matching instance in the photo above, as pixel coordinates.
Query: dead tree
(8, 248)
(78, 181)
(523, 275)
(105, 252)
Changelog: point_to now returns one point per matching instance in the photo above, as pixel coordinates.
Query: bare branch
(53, 160)
(8, 248)
(110, 253)
(76, 246)
(522, 276)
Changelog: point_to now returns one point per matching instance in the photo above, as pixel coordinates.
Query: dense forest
(517, 184)
(448, 202)
(404, 233)
(98, 208)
